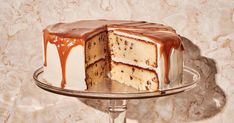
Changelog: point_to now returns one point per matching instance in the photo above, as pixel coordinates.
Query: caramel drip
(167, 43)
(165, 51)
(46, 39)
(64, 46)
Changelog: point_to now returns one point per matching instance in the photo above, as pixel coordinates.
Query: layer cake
(142, 55)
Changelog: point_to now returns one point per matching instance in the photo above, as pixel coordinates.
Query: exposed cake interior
(134, 76)
(122, 59)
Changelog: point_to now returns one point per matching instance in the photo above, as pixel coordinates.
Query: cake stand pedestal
(118, 98)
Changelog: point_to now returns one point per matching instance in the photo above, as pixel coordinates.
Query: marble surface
(206, 25)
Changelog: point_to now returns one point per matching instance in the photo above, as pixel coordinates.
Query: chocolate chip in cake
(147, 88)
(94, 43)
(133, 69)
(135, 60)
(117, 40)
(148, 82)
(125, 42)
(122, 71)
(131, 78)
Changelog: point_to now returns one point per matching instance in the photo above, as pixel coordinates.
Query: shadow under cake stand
(119, 95)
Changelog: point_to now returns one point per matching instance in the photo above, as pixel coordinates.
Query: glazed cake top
(85, 29)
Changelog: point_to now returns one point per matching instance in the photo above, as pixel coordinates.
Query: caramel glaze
(68, 35)
(64, 46)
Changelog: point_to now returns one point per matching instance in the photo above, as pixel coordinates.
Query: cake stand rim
(116, 96)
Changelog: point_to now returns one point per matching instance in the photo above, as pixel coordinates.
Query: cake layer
(97, 72)
(139, 78)
(132, 51)
(96, 48)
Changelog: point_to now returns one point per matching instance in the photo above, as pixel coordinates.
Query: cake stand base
(117, 111)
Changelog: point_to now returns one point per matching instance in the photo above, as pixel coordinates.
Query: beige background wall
(207, 24)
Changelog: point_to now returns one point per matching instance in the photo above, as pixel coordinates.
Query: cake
(145, 56)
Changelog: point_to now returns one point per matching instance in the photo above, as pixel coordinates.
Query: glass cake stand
(119, 94)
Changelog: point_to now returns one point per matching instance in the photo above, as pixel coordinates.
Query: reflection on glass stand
(118, 98)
